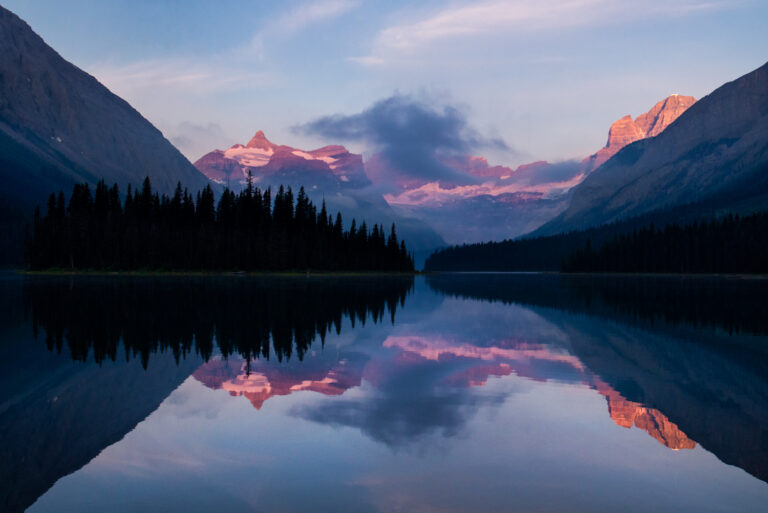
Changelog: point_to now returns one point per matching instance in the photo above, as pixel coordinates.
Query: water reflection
(249, 317)
(325, 373)
(419, 372)
(735, 305)
(115, 348)
(693, 348)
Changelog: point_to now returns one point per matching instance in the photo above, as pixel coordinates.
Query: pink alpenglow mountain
(330, 174)
(271, 163)
(538, 177)
(627, 130)
(710, 160)
(478, 201)
(497, 202)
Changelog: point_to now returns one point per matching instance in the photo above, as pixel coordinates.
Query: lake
(450, 393)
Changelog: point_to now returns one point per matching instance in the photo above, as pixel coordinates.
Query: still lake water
(449, 393)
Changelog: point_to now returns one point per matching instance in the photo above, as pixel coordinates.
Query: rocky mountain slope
(713, 158)
(59, 125)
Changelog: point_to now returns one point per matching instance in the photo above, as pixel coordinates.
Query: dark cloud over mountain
(410, 134)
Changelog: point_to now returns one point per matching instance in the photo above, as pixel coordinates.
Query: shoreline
(298, 274)
(147, 273)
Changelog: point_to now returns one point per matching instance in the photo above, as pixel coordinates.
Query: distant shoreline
(311, 273)
(69, 272)
(614, 274)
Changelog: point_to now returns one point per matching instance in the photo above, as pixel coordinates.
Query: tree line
(730, 244)
(249, 231)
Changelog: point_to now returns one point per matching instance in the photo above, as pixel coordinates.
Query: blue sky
(547, 77)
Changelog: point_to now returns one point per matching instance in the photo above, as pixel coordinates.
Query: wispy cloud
(225, 71)
(182, 74)
(515, 16)
(299, 18)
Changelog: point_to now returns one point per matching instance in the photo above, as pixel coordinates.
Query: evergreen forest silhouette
(249, 231)
(730, 244)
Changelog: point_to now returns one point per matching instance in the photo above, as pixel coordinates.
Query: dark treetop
(730, 244)
(246, 231)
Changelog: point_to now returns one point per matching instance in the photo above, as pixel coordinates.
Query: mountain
(329, 167)
(713, 158)
(627, 130)
(482, 201)
(59, 126)
(497, 202)
(331, 174)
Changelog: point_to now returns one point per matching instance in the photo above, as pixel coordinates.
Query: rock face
(59, 125)
(713, 158)
(627, 130)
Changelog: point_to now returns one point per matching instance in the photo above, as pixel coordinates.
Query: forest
(728, 244)
(249, 231)
(731, 244)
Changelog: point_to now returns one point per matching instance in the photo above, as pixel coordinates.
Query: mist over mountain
(429, 172)
(422, 170)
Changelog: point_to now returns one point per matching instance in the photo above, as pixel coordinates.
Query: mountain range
(60, 126)
(508, 203)
(494, 202)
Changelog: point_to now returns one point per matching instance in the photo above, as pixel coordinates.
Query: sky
(542, 80)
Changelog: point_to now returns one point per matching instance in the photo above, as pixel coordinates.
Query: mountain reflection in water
(684, 360)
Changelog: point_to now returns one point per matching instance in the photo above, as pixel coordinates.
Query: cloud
(299, 18)
(228, 71)
(410, 135)
(313, 12)
(514, 16)
(183, 74)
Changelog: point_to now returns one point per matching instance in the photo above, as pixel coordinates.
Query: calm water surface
(450, 393)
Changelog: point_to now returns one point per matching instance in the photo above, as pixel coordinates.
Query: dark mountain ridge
(714, 154)
(60, 126)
